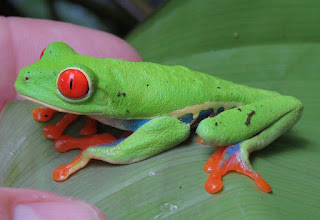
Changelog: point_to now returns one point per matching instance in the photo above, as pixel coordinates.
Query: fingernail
(55, 210)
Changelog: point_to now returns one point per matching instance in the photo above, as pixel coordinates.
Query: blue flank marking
(233, 149)
(221, 109)
(112, 144)
(133, 125)
(203, 114)
(187, 118)
(229, 152)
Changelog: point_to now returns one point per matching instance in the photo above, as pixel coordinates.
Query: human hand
(21, 43)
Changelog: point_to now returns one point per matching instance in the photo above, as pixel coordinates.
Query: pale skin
(20, 43)
(158, 104)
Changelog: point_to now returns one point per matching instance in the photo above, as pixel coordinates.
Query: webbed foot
(230, 158)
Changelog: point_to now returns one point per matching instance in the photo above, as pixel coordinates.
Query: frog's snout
(24, 76)
(23, 79)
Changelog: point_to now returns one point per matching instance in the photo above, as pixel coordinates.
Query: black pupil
(71, 83)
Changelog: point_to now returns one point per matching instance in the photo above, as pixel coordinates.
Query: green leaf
(267, 44)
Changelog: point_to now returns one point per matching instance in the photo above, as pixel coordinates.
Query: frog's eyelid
(42, 52)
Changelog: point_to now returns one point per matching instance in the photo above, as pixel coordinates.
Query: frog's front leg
(152, 138)
(55, 131)
(246, 129)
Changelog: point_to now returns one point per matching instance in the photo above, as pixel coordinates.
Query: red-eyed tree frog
(158, 104)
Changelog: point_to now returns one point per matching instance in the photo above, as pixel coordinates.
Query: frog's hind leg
(245, 132)
(154, 137)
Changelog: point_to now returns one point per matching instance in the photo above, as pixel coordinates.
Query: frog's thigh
(239, 124)
(236, 157)
(275, 130)
(268, 135)
(152, 138)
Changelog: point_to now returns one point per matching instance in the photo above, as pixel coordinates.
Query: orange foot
(226, 159)
(66, 143)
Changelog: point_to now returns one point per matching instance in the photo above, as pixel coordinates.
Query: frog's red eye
(42, 53)
(73, 84)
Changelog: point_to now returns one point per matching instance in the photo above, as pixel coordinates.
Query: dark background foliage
(115, 16)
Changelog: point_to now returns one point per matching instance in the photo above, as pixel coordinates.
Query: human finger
(18, 204)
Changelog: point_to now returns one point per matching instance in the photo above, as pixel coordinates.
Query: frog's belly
(127, 125)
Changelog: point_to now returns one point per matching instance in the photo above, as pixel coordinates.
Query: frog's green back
(148, 89)
(128, 90)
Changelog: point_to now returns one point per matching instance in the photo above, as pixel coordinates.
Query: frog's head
(62, 80)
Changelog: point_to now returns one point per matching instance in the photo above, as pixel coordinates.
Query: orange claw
(213, 184)
(62, 172)
(226, 159)
(42, 114)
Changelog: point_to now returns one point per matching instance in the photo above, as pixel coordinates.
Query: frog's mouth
(50, 106)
